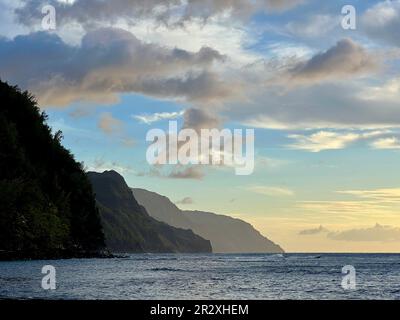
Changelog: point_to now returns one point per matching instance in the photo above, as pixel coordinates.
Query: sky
(323, 101)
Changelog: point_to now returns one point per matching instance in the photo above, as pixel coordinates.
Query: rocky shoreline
(19, 255)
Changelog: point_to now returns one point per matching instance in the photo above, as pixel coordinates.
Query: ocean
(207, 276)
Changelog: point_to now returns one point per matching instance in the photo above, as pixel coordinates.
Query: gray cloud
(177, 172)
(323, 105)
(319, 92)
(281, 4)
(376, 233)
(109, 61)
(186, 200)
(346, 58)
(92, 12)
(309, 232)
(382, 22)
(192, 172)
(198, 119)
(196, 87)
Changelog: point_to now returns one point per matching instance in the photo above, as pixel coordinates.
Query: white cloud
(271, 191)
(101, 165)
(388, 91)
(158, 116)
(322, 140)
(225, 37)
(386, 143)
(329, 140)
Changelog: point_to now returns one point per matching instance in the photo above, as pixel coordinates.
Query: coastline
(24, 256)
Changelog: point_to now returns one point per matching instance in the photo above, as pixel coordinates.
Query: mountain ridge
(238, 236)
(129, 228)
(47, 207)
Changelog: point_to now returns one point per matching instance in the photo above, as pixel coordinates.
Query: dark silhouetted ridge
(47, 208)
(129, 228)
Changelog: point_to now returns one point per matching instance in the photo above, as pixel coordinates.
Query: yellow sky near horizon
(360, 221)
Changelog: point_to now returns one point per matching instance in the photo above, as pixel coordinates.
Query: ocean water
(207, 276)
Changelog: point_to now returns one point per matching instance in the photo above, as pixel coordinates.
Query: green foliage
(47, 207)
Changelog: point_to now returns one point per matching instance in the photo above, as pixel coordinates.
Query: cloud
(280, 5)
(388, 91)
(171, 12)
(382, 22)
(346, 58)
(304, 92)
(108, 124)
(375, 202)
(196, 87)
(386, 143)
(177, 172)
(308, 232)
(108, 62)
(323, 105)
(186, 200)
(198, 119)
(381, 195)
(346, 209)
(192, 172)
(230, 39)
(332, 89)
(328, 140)
(376, 233)
(101, 165)
(116, 128)
(271, 191)
(322, 140)
(158, 116)
(314, 26)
